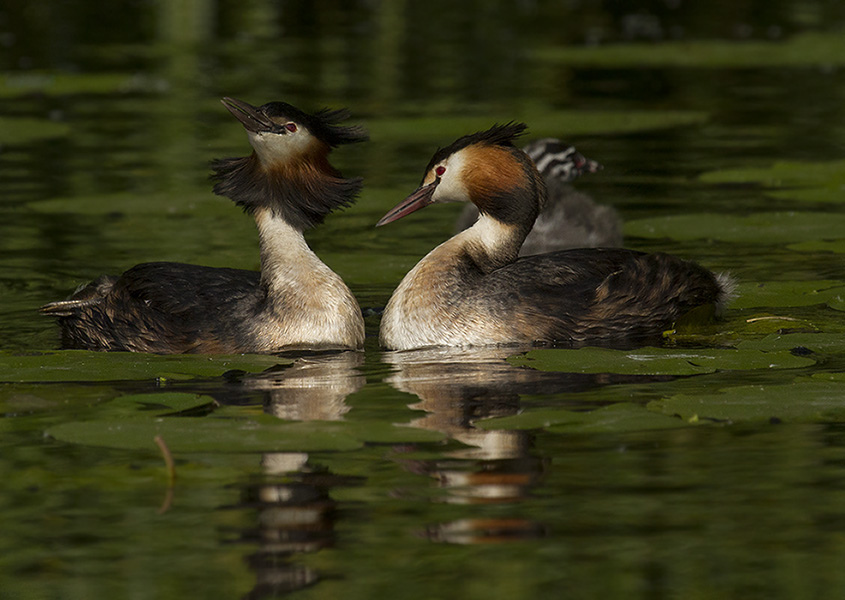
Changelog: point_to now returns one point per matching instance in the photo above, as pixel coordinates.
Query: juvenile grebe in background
(569, 218)
(473, 290)
(288, 185)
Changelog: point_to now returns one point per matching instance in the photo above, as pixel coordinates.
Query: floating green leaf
(809, 49)
(821, 181)
(201, 434)
(620, 417)
(80, 365)
(759, 228)
(835, 246)
(139, 204)
(21, 130)
(656, 361)
(444, 128)
(133, 421)
(813, 401)
(158, 404)
(55, 84)
(787, 293)
(817, 342)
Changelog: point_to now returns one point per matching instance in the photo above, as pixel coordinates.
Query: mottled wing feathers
(165, 307)
(573, 295)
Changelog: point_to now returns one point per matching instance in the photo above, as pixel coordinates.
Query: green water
(713, 467)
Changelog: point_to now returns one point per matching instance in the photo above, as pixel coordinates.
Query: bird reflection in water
(457, 388)
(295, 511)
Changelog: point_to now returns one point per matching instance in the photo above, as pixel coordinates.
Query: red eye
(290, 127)
(440, 170)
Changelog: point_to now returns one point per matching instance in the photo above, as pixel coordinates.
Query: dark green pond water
(712, 467)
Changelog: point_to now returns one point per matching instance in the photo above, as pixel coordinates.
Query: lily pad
(444, 128)
(787, 293)
(656, 361)
(57, 84)
(759, 228)
(835, 246)
(766, 323)
(133, 421)
(616, 418)
(813, 401)
(826, 180)
(159, 404)
(138, 204)
(817, 342)
(202, 434)
(810, 49)
(81, 365)
(22, 130)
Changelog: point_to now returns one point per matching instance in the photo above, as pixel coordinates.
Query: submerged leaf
(54, 84)
(656, 361)
(787, 293)
(808, 49)
(816, 342)
(825, 180)
(81, 365)
(814, 401)
(444, 128)
(200, 434)
(758, 228)
(620, 417)
(21, 130)
(835, 246)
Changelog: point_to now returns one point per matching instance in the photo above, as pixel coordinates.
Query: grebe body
(473, 290)
(296, 301)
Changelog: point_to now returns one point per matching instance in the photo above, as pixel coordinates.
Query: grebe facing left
(472, 290)
(288, 185)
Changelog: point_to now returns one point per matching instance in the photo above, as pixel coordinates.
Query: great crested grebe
(288, 185)
(569, 219)
(473, 290)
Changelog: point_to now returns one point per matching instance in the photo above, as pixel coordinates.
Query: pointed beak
(249, 116)
(419, 199)
(589, 166)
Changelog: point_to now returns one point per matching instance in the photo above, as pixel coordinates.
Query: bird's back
(595, 293)
(162, 307)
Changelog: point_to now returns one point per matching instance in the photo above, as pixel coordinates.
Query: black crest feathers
(498, 135)
(323, 124)
(301, 188)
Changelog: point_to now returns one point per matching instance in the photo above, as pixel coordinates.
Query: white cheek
(273, 147)
(451, 187)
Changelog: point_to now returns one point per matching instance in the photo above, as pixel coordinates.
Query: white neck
(285, 255)
(307, 302)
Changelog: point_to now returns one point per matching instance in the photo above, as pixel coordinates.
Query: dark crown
(323, 124)
(498, 135)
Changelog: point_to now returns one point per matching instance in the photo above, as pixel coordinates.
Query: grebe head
(279, 132)
(483, 168)
(558, 160)
(288, 174)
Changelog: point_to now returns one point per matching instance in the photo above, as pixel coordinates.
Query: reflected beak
(250, 117)
(419, 199)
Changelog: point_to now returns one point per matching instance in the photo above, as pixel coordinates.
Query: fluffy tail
(84, 296)
(727, 291)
